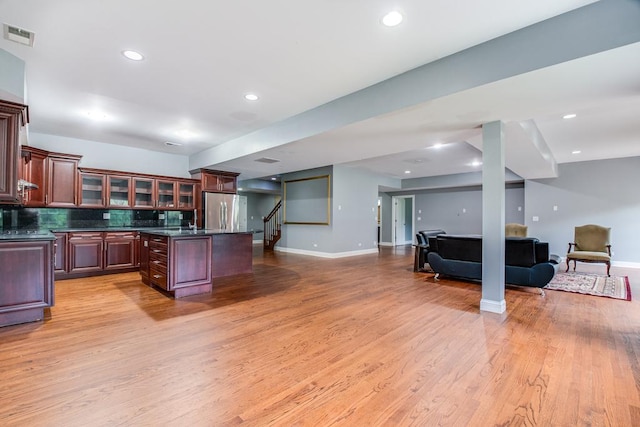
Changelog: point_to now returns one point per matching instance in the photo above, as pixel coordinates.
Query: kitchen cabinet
(91, 253)
(86, 252)
(62, 180)
(12, 117)
(186, 195)
(166, 193)
(34, 170)
(120, 250)
(60, 260)
(118, 191)
(218, 181)
(26, 283)
(92, 190)
(144, 195)
(143, 254)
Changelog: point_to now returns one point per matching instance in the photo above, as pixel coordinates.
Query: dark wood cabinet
(62, 180)
(118, 191)
(60, 246)
(92, 190)
(186, 195)
(120, 250)
(166, 194)
(26, 283)
(218, 181)
(143, 248)
(12, 117)
(144, 193)
(86, 252)
(34, 170)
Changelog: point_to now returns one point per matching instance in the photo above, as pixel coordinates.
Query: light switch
(519, 208)
(555, 208)
(419, 218)
(535, 219)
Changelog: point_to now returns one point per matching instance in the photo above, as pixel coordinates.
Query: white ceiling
(201, 57)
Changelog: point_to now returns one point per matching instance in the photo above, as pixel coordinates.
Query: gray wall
(353, 223)
(11, 77)
(258, 206)
(457, 210)
(385, 216)
(603, 192)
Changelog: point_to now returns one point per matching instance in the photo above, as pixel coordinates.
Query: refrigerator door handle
(226, 213)
(221, 215)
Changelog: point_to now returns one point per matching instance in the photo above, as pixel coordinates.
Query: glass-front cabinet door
(143, 193)
(118, 191)
(186, 195)
(92, 190)
(166, 193)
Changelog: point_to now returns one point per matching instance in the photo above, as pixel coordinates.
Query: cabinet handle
(156, 276)
(156, 262)
(156, 250)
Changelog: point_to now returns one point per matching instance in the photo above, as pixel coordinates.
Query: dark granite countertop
(29, 235)
(188, 232)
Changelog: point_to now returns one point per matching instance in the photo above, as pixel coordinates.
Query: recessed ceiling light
(437, 145)
(576, 152)
(184, 133)
(273, 178)
(392, 18)
(407, 171)
(97, 116)
(133, 55)
(476, 163)
(251, 97)
(569, 116)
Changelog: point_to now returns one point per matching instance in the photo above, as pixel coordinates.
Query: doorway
(402, 221)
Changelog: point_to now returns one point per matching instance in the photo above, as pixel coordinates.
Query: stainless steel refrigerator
(221, 211)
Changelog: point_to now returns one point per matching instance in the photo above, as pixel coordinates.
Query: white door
(403, 223)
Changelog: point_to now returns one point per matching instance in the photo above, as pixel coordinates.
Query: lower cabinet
(26, 283)
(120, 250)
(91, 253)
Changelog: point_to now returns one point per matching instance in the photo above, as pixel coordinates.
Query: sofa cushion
(520, 251)
(462, 248)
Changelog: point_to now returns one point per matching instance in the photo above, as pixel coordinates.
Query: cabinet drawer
(157, 277)
(159, 239)
(86, 235)
(121, 235)
(159, 263)
(157, 248)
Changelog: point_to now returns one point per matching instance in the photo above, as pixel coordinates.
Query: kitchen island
(186, 262)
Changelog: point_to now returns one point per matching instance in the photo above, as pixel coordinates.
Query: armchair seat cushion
(588, 255)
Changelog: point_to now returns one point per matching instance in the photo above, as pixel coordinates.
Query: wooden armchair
(513, 229)
(591, 244)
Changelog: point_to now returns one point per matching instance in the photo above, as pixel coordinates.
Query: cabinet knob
(156, 250)
(156, 262)
(156, 276)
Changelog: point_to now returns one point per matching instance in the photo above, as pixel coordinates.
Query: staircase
(273, 227)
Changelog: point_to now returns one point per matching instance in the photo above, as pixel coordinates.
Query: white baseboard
(493, 306)
(625, 264)
(326, 254)
(258, 242)
(385, 244)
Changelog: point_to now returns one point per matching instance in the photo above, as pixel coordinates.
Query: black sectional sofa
(527, 260)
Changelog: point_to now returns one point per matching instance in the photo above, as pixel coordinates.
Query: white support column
(493, 204)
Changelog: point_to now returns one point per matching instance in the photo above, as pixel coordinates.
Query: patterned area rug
(592, 284)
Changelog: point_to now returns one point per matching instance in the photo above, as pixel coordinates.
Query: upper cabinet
(54, 174)
(118, 191)
(12, 117)
(33, 170)
(218, 181)
(92, 190)
(62, 180)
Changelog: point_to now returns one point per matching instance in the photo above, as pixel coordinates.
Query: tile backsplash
(54, 218)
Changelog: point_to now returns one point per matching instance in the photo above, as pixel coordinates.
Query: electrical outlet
(315, 245)
(160, 216)
(535, 219)
(106, 215)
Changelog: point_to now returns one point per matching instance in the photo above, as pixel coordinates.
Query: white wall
(115, 157)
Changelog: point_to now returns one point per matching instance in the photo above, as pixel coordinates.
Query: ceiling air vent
(172, 144)
(267, 160)
(18, 35)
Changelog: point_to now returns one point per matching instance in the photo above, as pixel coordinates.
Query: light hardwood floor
(360, 341)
